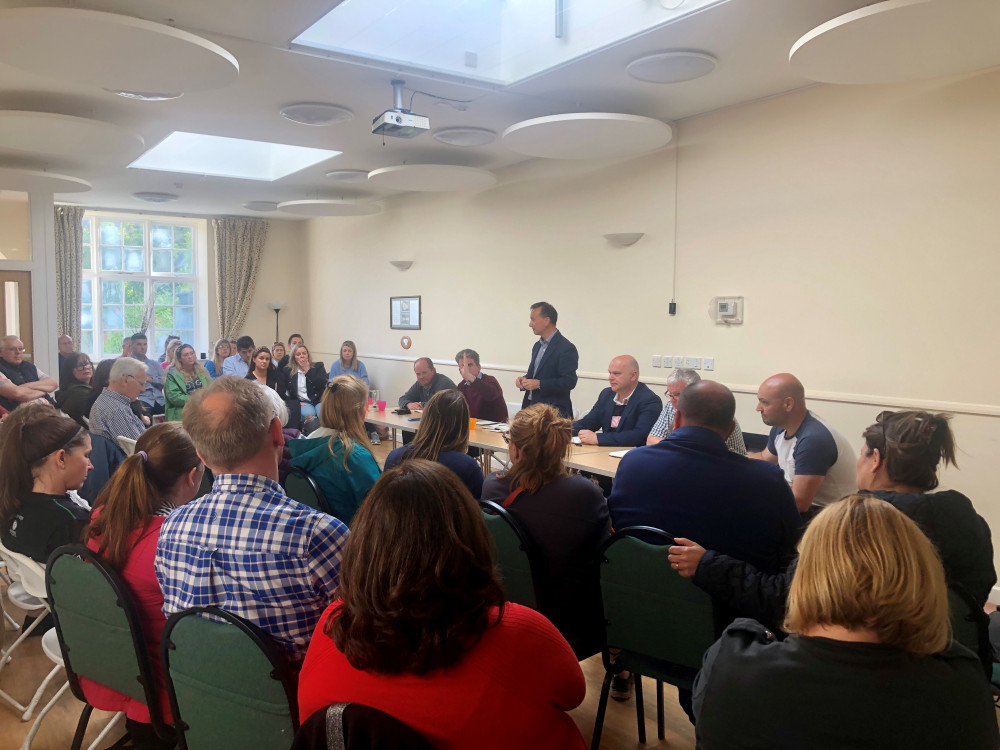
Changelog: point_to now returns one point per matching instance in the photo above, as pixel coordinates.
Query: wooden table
(593, 459)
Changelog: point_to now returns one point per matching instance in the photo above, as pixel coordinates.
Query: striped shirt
(664, 425)
(112, 416)
(248, 548)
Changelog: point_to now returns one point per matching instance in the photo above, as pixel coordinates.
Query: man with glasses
(818, 462)
(20, 381)
(65, 345)
(677, 381)
(112, 415)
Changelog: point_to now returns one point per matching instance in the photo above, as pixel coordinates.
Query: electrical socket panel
(693, 363)
(668, 361)
(709, 363)
(678, 361)
(656, 360)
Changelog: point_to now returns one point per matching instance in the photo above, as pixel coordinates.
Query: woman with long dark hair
(75, 378)
(443, 436)
(421, 630)
(565, 517)
(164, 473)
(261, 370)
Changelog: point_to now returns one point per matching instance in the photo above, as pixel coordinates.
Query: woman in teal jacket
(184, 377)
(337, 455)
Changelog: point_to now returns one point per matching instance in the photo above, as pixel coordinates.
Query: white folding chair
(126, 444)
(26, 591)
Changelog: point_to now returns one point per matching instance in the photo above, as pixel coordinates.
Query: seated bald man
(818, 462)
(625, 411)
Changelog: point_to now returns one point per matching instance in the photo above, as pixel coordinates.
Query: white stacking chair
(126, 444)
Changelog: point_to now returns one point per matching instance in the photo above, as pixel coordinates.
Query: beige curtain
(239, 246)
(69, 270)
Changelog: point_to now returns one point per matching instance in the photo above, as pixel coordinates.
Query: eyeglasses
(84, 366)
(881, 419)
(14, 348)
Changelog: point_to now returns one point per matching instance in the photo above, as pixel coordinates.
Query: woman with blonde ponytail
(163, 473)
(566, 519)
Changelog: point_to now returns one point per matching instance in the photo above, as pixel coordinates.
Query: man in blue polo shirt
(818, 462)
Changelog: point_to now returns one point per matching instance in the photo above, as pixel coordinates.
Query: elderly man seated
(112, 415)
(20, 381)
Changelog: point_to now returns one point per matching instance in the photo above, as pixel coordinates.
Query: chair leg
(602, 707)
(81, 727)
(41, 715)
(99, 739)
(640, 712)
(659, 709)
(30, 708)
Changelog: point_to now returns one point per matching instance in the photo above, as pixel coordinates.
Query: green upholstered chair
(100, 632)
(657, 623)
(228, 684)
(303, 488)
(514, 555)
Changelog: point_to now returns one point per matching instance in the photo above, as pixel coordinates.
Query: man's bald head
(708, 404)
(229, 421)
(781, 400)
(623, 374)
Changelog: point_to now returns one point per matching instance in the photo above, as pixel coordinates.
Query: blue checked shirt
(248, 548)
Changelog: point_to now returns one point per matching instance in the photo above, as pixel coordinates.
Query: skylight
(496, 41)
(194, 153)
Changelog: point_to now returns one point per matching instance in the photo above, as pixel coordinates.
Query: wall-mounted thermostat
(726, 311)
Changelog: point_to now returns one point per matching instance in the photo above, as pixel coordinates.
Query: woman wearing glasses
(75, 378)
(565, 517)
(898, 463)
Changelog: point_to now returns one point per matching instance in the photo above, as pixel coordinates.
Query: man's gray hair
(228, 433)
(127, 366)
(467, 354)
(10, 337)
(683, 375)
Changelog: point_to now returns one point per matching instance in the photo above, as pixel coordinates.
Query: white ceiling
(751, 40)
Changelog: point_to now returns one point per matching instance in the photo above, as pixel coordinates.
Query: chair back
(350, 726)
(970, 625)
(99, 628)
(662, 623)
(126, 444)
(303, 488)
(514, 555)
(28, 572)
(228, 684)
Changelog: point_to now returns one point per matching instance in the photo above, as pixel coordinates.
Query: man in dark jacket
(552, 372)
(624, 412)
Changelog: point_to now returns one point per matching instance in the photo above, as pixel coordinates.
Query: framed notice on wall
(404, 313)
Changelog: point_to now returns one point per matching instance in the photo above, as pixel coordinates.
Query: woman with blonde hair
(443, 436)
(422, 631)
(301, 385)
(163, 474)
(349, 364)
(337, 454)
(565, 517)
(220, 352)
(869, 663)
(184, 377)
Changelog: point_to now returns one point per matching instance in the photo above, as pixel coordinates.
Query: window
(139, 273)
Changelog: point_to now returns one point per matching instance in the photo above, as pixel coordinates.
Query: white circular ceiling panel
(432, 178)
(112, 51)
(671, 67)
(587, 135)
(324, 207)
(49, 182)
(901, 40)
(63, 135)
(261, 205)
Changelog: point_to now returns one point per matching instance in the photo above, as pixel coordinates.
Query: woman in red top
(165, 472)
(422, 631)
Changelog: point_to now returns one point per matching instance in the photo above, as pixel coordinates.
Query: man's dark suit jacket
(637, 420)
(556, 374)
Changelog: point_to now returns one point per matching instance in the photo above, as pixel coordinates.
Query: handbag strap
(511, 497)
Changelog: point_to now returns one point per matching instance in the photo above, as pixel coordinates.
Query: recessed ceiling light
(145, 96)
(316, 113)
(348, 175)
(216, 155)
(671, 67)
(261, 205)
(465, 136)
(156, 197)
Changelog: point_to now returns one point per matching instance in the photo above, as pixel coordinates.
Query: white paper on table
(619, 454)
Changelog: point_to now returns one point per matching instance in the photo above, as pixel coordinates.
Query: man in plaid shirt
(245, 546)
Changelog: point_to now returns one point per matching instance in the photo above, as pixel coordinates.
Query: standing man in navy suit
(552, 372)
(624, 413)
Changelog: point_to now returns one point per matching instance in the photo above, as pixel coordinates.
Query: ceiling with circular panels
(111, 51)
(432, 178)
(63, 135)
(901, 40)
(587, 135)
(326, 207)
(49, 182)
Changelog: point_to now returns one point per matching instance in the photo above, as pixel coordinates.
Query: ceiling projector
(399, 122)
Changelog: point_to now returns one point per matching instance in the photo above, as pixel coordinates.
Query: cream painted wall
(281, 279)
(15, 233)
(858, 222)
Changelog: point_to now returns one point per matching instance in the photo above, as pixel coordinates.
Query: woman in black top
(44, 455)
(261, 370)
(301, 384)
(566, 519)
(74, 385)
